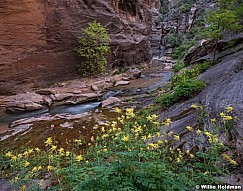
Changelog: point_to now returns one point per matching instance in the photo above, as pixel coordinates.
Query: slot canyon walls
(38, 37)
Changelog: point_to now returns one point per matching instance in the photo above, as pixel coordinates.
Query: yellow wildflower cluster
(130, 113)
(167, 122)
(229, 159)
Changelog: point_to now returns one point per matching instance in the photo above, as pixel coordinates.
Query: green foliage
(188, 89)
(93, 47)
(180, 51)
(128, 153)
(173, 40)
(184, 85)
(183, 91)
(185, 7)
(187, 74)
(225, 20)
(178, 66)
(166, 100)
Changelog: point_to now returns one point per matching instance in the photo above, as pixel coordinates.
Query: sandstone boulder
(82, 98)
(45, 91)
(110, 101)
(94, 88)
(63, 96)
(134, 73)
(122, 83)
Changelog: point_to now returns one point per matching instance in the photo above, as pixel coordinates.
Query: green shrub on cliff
(93, 47)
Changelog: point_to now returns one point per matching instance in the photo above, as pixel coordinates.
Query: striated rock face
(38, 37)
(224, 88)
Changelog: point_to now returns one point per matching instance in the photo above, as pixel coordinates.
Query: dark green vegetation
(184, 85)
(119, 158)
(224, 21)
(93, 47)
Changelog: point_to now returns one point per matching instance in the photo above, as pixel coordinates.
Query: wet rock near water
(134, 73)
(110, 101)
(122, 83)
(24, 102)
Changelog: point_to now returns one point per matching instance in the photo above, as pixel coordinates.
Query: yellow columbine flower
(129, 113)
(105, 150)
(153, 116)
(8, 154)
(159, 142)
(213, 120)
(178, 160)
(19, 156)
(78, 141)
(221, 144)
(37, 149)
(67, 153)
(79, 158)
(189, 128)
(149, 136)
(48, 141)
(213, 139)
(227, 118)
(30, 151)
(208, 134)
(103, 129)
(152, 145)
(35, 169)
(177, 137)
(61, 151)
(198, 131)
(144, 137)
(53, 148)
(92, 139)
(168, 120)
(41, 183)
(191, 155)
(117, 110)
(229, 109)
(194, 106)
(26, 153)
(104, 136)
(187, 151)
(26, 164)
(222, 114)
(125, 138)
(50, 168)
(14, 158)
(22, 188)
(149, 118)
(170, 133)
(229, 159)
(16, 178)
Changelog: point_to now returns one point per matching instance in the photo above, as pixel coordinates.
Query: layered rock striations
(38, 37)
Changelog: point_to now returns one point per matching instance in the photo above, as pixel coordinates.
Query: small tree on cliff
(93, 49)
(224, 21)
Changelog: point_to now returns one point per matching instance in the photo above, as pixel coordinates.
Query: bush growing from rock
(93, 47)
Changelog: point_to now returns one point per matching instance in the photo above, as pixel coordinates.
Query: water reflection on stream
(72, 109)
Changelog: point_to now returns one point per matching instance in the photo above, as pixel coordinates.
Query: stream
(85, 107)
(66, 122)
